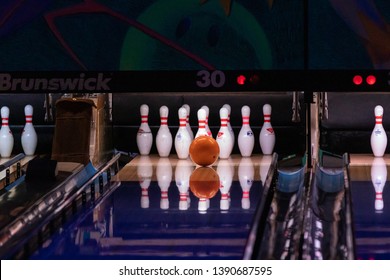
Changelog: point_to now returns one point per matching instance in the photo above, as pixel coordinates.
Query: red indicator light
(357, 80)
(371, 79)
(241, 80)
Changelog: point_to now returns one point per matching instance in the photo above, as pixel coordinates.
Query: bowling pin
(267, 135)
(184, 168)
(378, 135)
(225, 173)
(224, 138)
(201, 123)
(246, 139)
(188, 126)
(164, 136)
(378, 178)
(206, 108)
(182, 138)
(29, 137)
(227, 106)
(144, 134)
(6, 137)
(246, 174)
(164, 178)
(144, 173)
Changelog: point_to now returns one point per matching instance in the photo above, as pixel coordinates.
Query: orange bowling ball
(204, 150)
(204, 182)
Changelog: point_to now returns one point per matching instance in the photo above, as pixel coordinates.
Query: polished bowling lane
(371, 206)
(158, 212)
(166, 208)
(347, 216)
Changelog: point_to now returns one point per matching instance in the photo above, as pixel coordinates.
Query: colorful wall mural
(349, 34)
(104, 35)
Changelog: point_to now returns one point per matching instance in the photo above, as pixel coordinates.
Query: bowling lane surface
(160, 211)
(371, 205)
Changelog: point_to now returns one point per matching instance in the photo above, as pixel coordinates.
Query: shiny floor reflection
(157, 214)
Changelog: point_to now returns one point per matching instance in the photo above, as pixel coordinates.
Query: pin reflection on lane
(246, 174)
(144, 173)
(164, 178)
(225, 170)
(204, 184)
(184, 168)
(378, 178)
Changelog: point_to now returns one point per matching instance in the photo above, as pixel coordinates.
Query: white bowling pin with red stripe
(201, 123)
(188, 126)
(144, 134)
(378, 135)
(267, 134)
(6, 137)
(183, 138)
(206, 108)
(246, 139)
(224, 138)
(29, 136)
(164, 136)
(227, 106)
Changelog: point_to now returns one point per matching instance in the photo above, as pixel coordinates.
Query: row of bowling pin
(184, 136)
(184, 168)
(29, 137)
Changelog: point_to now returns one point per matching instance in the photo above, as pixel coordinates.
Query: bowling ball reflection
(204, 150)
(204, 182)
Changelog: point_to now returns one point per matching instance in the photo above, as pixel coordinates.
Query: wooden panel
(361, 165)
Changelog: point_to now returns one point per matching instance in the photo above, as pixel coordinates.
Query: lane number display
(210, 79)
